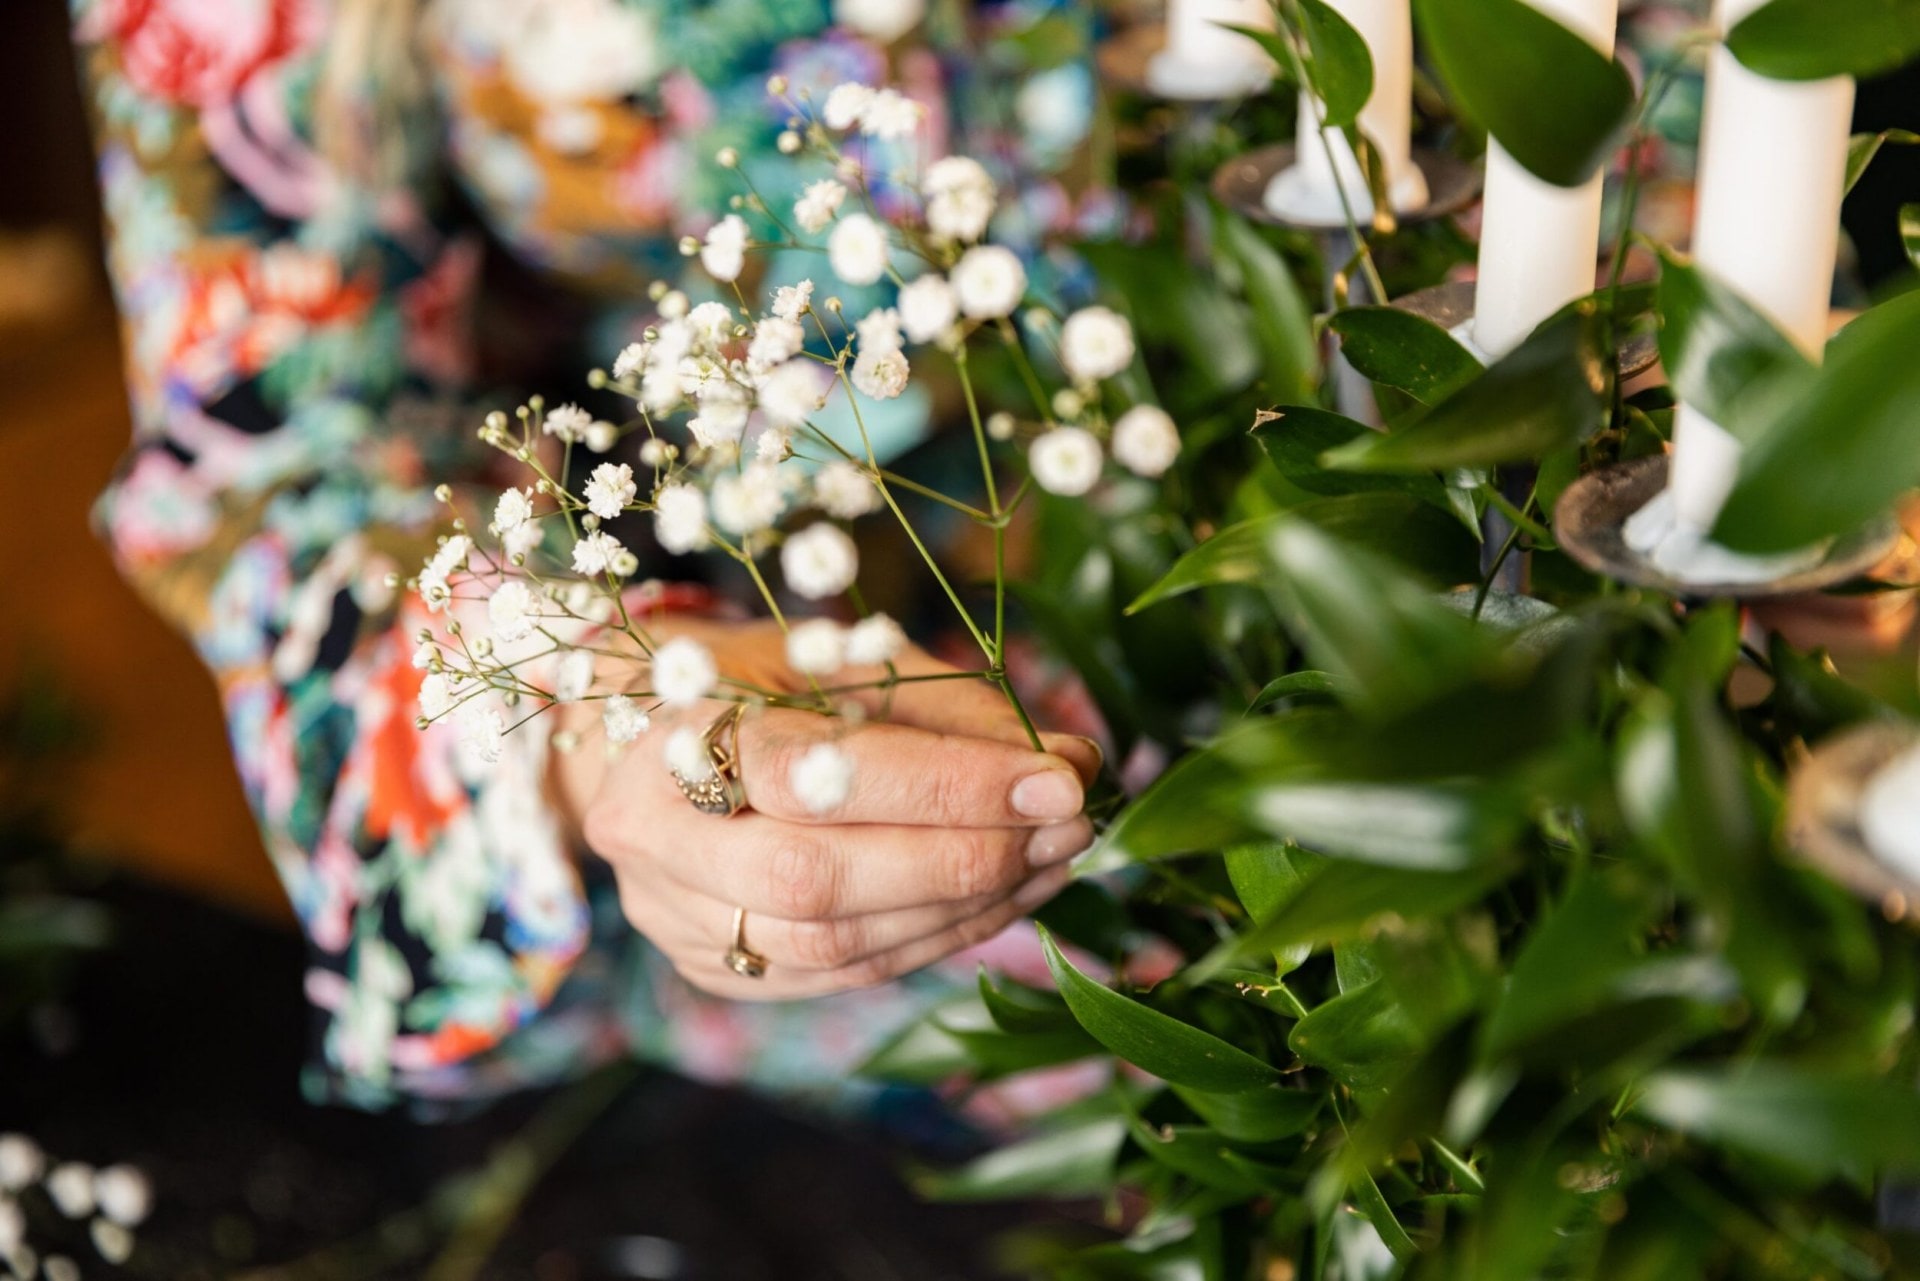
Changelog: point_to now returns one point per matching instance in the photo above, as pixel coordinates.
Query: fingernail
(1041, 888)
(1053, 793)
(1050, 845)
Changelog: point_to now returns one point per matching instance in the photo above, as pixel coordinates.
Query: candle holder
(1590, 524)
(1451, 305)
(1823, 816)
(1126, 59)
(1241, 185)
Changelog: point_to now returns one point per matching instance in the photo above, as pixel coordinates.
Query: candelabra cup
(1590, 524)
(1241, 185)
(1126, 60)
(1824, 794)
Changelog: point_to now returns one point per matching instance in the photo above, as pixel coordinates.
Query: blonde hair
(370, 91)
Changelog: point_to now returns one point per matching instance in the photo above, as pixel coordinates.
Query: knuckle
(951, 793)
(868, 973)
(979, 866)
(825, 945)
(801, 879)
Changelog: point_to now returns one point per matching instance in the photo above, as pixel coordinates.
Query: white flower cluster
(112, 1201)
(728, 453)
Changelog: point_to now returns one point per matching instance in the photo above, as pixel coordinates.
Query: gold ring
(741, 959)
(720, 793)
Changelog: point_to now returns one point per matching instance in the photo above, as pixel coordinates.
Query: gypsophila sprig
(726, 453)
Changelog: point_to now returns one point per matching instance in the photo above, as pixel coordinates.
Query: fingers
(784, 983)
(972, 708)
(904, 775)
(797, 872)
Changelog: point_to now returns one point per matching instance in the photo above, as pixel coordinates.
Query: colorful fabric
(303, 355)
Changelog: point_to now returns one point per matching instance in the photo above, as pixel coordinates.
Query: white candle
(1773, 159)
(1538, 243)
(1202, 59)
(1310, 191)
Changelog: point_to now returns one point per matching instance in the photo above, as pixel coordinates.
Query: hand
(953, 828)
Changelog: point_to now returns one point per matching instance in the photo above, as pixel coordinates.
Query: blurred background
(150, 1009)
(149, 975)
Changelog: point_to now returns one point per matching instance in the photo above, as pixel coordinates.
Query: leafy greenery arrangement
(1494, 962)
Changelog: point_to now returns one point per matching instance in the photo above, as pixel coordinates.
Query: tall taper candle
(1538, 242)
(1773, 162)
(1307, 192)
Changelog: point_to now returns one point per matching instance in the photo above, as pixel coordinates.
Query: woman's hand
(952, 829)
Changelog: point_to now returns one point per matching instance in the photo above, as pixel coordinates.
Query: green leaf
(1814, 39)
(1266, 1115)
(1833, 448)
(1396, 348)
(1282, 318)
(1305, 686)
(1175, 1052)
(1199, 804)
(1267, 876)
(1437, 827)
(1363, 1037)
(1366, 1195)
(1556, 103)
(1547, 394)
(1018, 1008)
(1072, 1161)
(1295, 436)
(1863, 147)
(1196, 1152)
(1342, 68)
(1718, 350)
(1345, 898)
(1820, 1125)
(1910, 232)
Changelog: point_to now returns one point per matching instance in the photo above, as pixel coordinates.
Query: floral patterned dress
(303, 353)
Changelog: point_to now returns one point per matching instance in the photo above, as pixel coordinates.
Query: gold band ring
(720, 793)
(741, 959)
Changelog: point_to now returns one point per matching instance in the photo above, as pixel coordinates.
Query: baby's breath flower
(857, 250)
(817, 647)
(881, 374)
(879, 330)
(773, 445)
(513, 509)
(819, 561)
(623, 720)
(70, 1185)
(673, 305)
(632, 358)
(510, 611)
(680, 519)
(789, 394)
(596, 553)
(602, 436)
(822, 778)
(436, 696)
(818, 204)
(843, 490)
(13, 1231)
(989, 282)
(1146, 441)
(724, 253)
(685, 753)
(123, 1195)
(749, 500)
(790, 302)
(1068, 404)
(483, 732)
(574, 676)
(610, 489)
(788, 143)
(114, 1242)
(959, 194)
(774, 340)
(874, 640)
(683, 672)
(656, 453)
(1000, 425)
(927, 307)
(1095, 343)
(845, 105)
(21, 1162)
(891, 115)
(777, 86)
(567, 422)
(1065, 461)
